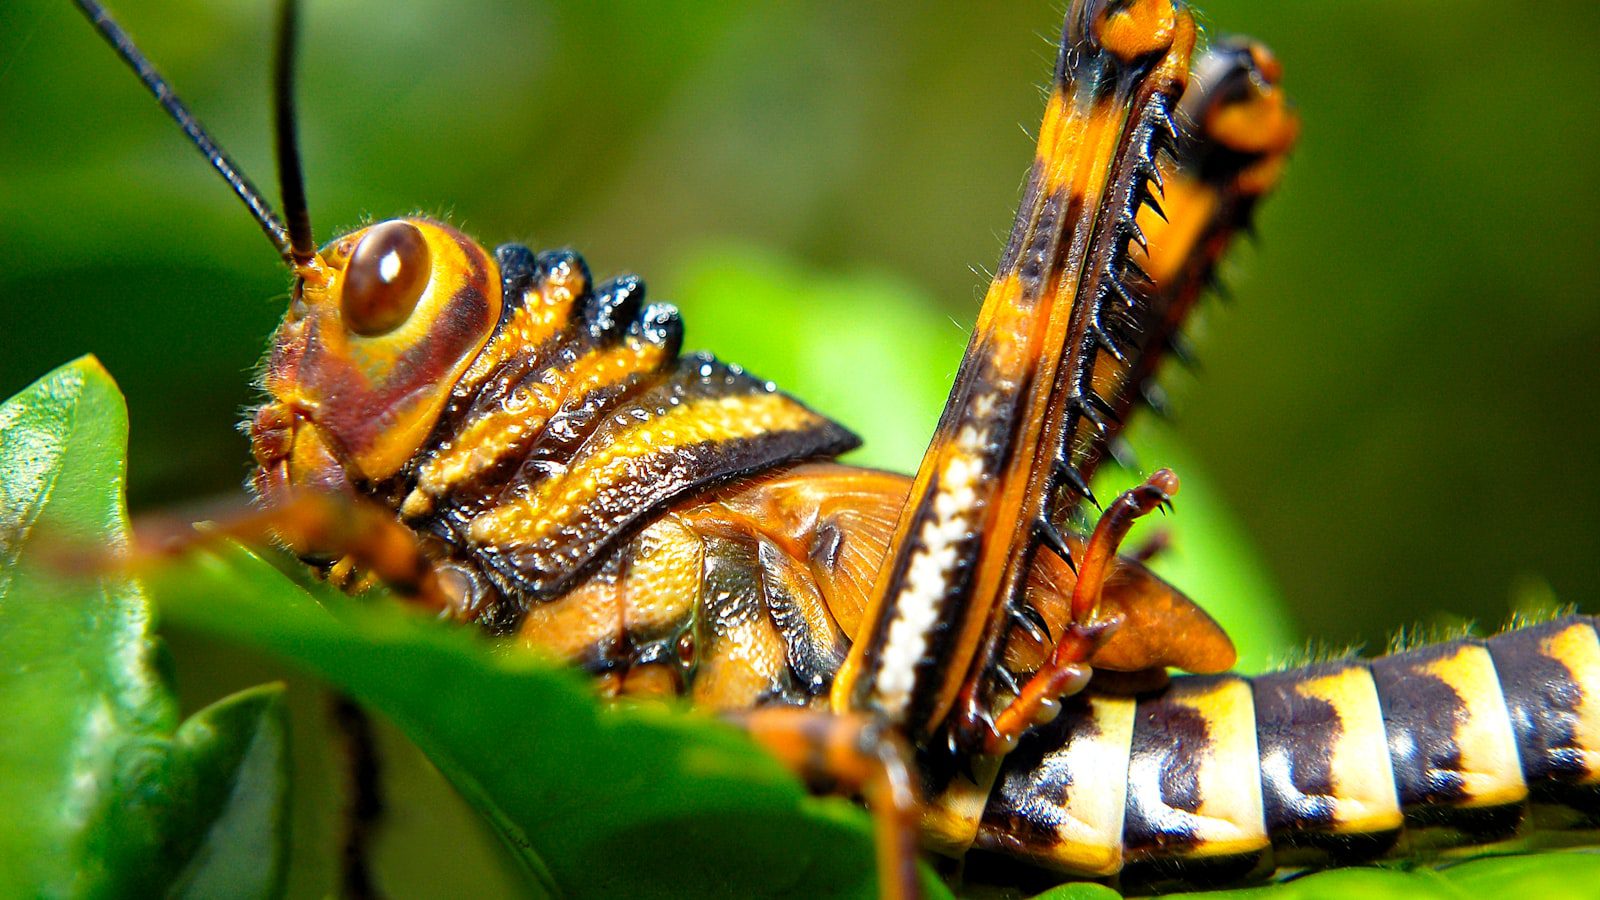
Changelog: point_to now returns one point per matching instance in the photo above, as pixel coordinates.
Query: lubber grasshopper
(518, 447)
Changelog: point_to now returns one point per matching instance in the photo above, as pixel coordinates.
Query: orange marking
(1262, 124)
(652, 680)
(1190, 206)
(1140, 29)
(571, 625)
(1081, 146)
(744, 664)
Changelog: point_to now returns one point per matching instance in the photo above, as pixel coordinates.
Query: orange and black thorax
(578, 482)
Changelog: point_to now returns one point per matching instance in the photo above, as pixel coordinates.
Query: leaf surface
(102, 793)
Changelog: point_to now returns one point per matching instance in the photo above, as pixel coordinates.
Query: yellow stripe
(1096, 801)
(1490, 769)
(493, 437)
(1361, 775)
(548, 310)
(1231, 819)
(560, 500)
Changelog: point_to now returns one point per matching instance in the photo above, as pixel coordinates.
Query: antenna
(291, 183)
(294, 242)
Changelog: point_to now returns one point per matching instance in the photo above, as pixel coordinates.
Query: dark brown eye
(386, 276)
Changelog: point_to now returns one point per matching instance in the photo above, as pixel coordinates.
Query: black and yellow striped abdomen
(1337, 762)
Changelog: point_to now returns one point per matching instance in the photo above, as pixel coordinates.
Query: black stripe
(1012, 255)
(813, 655)
(1169, 739)
(547, 567)
(1543, 696)
(1040, 261)
(1296, 736)
(1420, 715)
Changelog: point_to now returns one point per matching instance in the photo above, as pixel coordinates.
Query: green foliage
(237, 748)
(862, 347)
(103, 792)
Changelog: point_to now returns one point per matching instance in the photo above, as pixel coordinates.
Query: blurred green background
(1400, 408)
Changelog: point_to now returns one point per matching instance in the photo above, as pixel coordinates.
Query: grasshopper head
(383, 322)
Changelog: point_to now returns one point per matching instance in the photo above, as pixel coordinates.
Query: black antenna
(291, 183)
(259, 208)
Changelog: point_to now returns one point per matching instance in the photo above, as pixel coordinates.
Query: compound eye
(385, 278)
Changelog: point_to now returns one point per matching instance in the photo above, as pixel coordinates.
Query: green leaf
(593, 800)
(82, 761)
(238, 749)
(95, 796)
(1080, 891)
(1550, 875)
